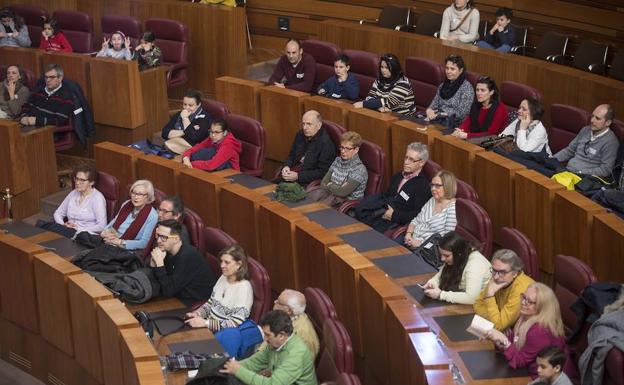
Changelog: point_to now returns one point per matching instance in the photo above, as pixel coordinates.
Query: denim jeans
(503, 48)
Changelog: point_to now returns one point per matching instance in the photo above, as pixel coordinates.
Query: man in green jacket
(286, 359)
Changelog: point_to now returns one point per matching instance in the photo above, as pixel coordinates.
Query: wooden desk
(607, 242)
(199, 190)
(336, 111)
(162, 172)
(242, 96)
(456, 155)
(404, 132)
(424, 354)
(375, 127)
(281, 111)
(25, 58)
(494, 177)
(119, 161)
(573, 217)
(140, 361)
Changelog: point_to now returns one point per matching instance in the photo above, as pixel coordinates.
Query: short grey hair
(420, 148)
(147, 185)
(296, 301)
(510, 258)
(56, 67)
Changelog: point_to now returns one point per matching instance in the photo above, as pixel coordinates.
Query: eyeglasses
(163, 211)
(46, 77)
(409, 159)
(526, 300)
(216, 132)
(136, 194)
(277, 302)
(502, 273)
(345, 148)
(436, 185)
(162, 237)
(81, 180)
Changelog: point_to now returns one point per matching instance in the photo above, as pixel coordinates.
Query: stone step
(261, 71)
(50, 203)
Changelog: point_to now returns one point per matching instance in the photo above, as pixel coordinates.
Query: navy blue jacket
(349, 89)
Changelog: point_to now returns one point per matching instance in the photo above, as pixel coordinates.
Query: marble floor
(9, 375)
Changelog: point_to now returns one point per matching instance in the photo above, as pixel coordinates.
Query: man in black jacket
(408, 192)
(179, 268)
(311, 153)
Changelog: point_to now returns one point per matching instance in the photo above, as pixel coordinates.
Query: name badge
(337, 96)
(591, 150)
(196, 127)
(200, 116)
(299, 76)
(77, 111)
(404, 195)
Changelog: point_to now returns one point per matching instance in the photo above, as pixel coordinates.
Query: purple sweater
(300, 78)
(90, 216)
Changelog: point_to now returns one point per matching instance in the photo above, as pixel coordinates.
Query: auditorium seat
(319, 307)
(171, 38)
(158, 197)
(551, 44)
(565, 123)
(78, 28)
(64, 137)
(425, 75)
(374, 158)
(614, 368)
(522, 32)
(589, 56)
(261, 284)
(335, 131)
(29, 77)
(108, 185)
(32, 15)
(428, 23)
(466, 191)
(130, 26)
(364, 65)
(215, 109)
(348, 379)
(324, 53)
(431, 168)
(515, 240)
(336, 357)
(513, 93)
(195, 227)
(473, 78)
(391, 17)
(475, 225)
(252, 136)
(617, 126)
(215, 240)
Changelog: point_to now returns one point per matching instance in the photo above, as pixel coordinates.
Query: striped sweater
(398, 98)
(427, 223)
(229, 305)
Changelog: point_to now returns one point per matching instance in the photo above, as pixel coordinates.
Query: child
(343, 85)
(550, 362)
(53, 39)
(146, 53)
(501, 36)
(117, 47)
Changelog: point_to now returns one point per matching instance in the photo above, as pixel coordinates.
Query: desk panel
(119, 161)
(25, 58)
(607, 247)
(162, 172)
(140, 361)
(199, 190)
(405, 132)
(456, 155)
(242, 96)
(336, 111)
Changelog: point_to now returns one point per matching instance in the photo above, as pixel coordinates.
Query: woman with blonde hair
(540, 325)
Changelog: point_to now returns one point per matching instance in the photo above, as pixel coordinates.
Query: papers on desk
(193, 373)
(479, 326)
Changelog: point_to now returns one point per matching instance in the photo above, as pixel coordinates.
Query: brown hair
(238, 254)
(352, 137)
(88, 169)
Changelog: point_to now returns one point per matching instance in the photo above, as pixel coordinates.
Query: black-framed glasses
(436, 185)
(81, 180)
(499, 272)
(163, 211)
(216, 132)
(138, 194)
(345, 148)
(409, 159)
(50, 77)
(161, 237)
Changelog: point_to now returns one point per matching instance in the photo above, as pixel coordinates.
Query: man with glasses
(171, 207)
(50, 103)
(500, 301)
(311, 153)
(408, 192)
(594, 150)
(180, 269)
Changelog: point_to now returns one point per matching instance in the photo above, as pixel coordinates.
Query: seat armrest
(405, 28)
(313, 184)
(523, 49)
(369, 21)
(347, 206)
(597, 68)
(398, 232)
(174, 68)
(561, 59)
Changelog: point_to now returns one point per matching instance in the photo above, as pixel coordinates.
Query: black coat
(320, 152)
(416, 190)
(197, 131)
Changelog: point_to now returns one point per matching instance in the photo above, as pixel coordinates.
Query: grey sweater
(590, 157)
(459, 104)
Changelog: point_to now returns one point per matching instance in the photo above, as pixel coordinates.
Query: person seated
(347, 177)
(391, 91)
(464, 274)
(594, 149)
(172, 208)
(50, 103)
(502, 35)
(13, 30)
(499, 302)
(53, 39)
(220, 151)
(134, 224)
(117, 47)
(293, 303)
(13, 93)
(454, 96)
(528, 131)
(295, 70)
(487, 115)
(460, 22)
(147, 54)
(550, 362)
(438, 215)
(179, 268)
(285, 361)
(188, 127)
(539, 325)
(343, 85)
(408, 192)
(311, 153)
(83, 209)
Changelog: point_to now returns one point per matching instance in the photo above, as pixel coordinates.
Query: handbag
(506, 143)
(591, 184)
(149, 323)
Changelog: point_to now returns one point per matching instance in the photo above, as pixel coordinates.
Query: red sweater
(57, 42)
(497, 125)
(299, 78)
(227, 150)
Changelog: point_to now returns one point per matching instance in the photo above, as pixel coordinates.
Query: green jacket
(292, 365)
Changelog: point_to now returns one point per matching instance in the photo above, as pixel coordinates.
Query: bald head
(601, 118)
(291, 302)
(293, 52)
(311, 123)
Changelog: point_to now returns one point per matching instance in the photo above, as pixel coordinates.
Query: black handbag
(149, 323)
(429, 250)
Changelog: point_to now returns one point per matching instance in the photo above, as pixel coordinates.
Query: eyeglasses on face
(436, 185)
(80, 180)
(46, 77)
(346, 148)
(163, 211)
(138, 194)
(216, 132)
(409, 159)
(502, 273)
(526, 300)
(162, 237)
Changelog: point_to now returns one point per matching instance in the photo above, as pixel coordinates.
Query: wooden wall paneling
(141, 365)
(84, 294)
(199, 190)
(22, 349)
(162, 172)
(155, 99)
(404, 132)
(63, 369)
(281, 111)
(313, 244)
(573, 217)
(242, 96)
(336, 111)
(607, 247)
(17, 282)
(13, 152)
(75, 67)
(315, 7)
(534, 211)
(376, 289)
(119, 161)
(25, 58)
(494, 177)
(51, 275)
(346, 264)
(456, 155)
(278, 253)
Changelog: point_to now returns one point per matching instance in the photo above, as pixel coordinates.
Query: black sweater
(319, 151)
(416, 190)
(186, 276)
(196, 132)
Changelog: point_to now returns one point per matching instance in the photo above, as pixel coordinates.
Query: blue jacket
(349, 89)
(508, 36)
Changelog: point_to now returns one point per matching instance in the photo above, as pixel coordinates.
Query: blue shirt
(144, 235)
(349, 89)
